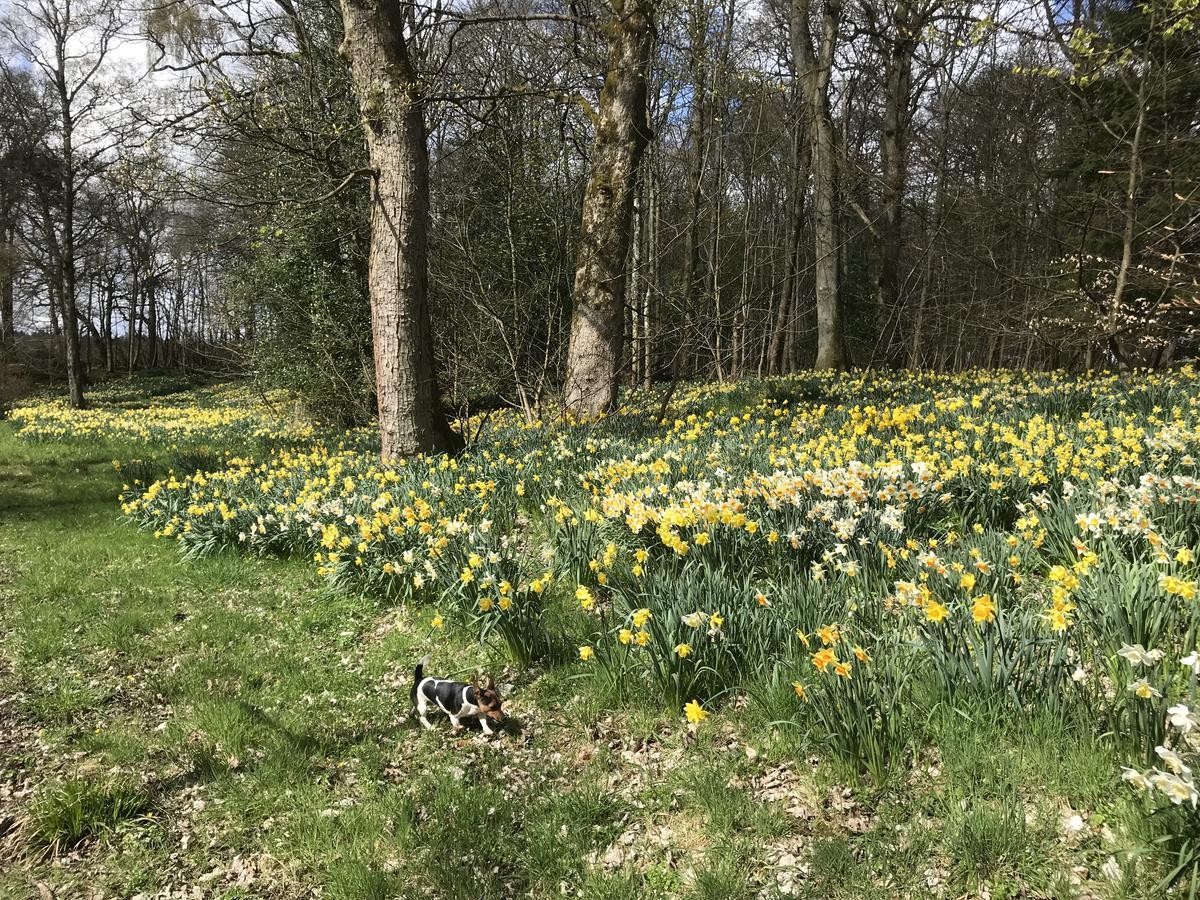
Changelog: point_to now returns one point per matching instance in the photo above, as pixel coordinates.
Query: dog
(456, 699)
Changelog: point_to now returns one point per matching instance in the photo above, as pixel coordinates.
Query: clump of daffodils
(1173, 778)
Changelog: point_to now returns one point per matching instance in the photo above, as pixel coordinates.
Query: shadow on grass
(66, 511)
(38, 487)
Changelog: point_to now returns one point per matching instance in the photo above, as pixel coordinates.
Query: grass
(65, 814)
(229, 723)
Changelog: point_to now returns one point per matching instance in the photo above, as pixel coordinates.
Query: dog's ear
(491, 683)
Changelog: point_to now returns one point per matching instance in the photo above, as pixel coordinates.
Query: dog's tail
(418, 674)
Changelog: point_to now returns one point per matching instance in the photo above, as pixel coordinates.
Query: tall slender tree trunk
(1129, 226)
(411, 419)
(152, 329)
(8, 337)
(636, 279)
(8, 328)
(651, 280)
(898, 60)
(737, 337)
(917, 354)
(107, 323)
(692, 278)
(132, 344)
(622, 133)
(785, 312)
(814, 65)
(66, 256)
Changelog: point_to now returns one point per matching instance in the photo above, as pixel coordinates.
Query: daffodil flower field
(844, 553)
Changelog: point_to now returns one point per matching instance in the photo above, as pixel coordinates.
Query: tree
(895, 30)
(67, 42)
(813, 60)
(21, 133)
(622, 132)
(411, 419)
(1128, 289)
(270, 108)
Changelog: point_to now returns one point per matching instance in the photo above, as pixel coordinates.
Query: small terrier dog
(456, 699)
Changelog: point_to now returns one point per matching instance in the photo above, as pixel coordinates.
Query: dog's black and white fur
(456, 699)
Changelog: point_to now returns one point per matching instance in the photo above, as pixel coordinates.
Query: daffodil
(1137, 655)
(983, 610)
(1143, 689)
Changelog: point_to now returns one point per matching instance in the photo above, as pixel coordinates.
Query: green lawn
(227, 725)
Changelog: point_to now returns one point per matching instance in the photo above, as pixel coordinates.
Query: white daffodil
(1137, 655)
(1181, 718)
(1174, 788)
(1174, 763)
(1135, 778)
(1143, 689)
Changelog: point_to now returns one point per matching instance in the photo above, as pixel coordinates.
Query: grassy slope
(225, 723)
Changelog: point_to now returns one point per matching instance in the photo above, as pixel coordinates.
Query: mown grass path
(225, 727)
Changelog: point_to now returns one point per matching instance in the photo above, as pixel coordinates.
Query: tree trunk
(692, 278)
(635, 290)
(152, 336)
(813, 66)
(8, 336)
(132, 328)
(1129, 225)
(893, 151)
(7, 290)
(411, 419)
(777, 351)
(622, 132)
(66, 257)
(651, 279)
(110, 301)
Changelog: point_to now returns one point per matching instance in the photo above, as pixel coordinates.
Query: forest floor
(230, 727)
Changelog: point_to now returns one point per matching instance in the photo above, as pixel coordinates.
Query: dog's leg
(422, 707)
(483, 722)
(456, 723)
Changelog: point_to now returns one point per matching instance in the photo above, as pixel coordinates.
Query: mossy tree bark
(622, 133)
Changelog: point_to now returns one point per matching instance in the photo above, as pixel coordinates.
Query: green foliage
(860, 702)
(308, 272)
(72, 811)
